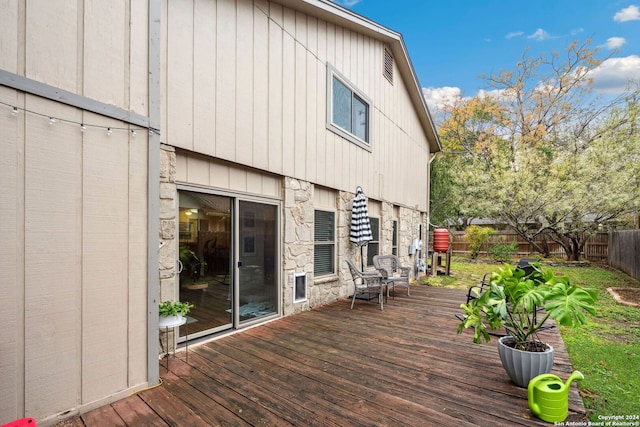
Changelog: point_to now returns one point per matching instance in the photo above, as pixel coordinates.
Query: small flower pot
(171, 321)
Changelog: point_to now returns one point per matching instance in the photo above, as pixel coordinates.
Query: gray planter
(522, 366)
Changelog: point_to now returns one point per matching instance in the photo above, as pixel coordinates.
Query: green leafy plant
(174, 308)
(513, 300)
(477, 236)
(503, 251)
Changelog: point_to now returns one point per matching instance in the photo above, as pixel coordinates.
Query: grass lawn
(606, 350)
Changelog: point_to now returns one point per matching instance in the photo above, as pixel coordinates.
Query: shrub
(477, 236)
(503, 252)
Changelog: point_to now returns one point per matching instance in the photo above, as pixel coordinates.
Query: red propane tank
(440, 240)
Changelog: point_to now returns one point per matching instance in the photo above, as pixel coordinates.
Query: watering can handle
(533, 405)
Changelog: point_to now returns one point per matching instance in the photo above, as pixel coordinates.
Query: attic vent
(388, 66)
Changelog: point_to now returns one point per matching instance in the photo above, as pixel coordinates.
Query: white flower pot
(171, 321)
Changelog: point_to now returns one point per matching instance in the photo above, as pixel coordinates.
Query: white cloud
(496, 94)
(615, 42)
(615, 74)
(514, 34)
(539, 34)
(631, 13)
(439, 97)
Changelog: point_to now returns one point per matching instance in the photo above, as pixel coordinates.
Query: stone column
(297, 251)
(168, 226)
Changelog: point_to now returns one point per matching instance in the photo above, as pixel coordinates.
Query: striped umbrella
(360, 233)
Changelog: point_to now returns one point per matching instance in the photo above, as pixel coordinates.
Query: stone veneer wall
(297, 251)
(298, 223)
(297, 239)
(168, 222)
(168, 225)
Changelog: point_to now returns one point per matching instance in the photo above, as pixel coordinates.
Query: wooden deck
(332, 366)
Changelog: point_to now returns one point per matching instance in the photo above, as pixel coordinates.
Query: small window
(373, 247)
(324, 243)
(394, 239)
(388, 66)
(349, 110)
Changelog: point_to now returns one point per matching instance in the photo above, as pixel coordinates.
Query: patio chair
(366, 283)
(393, 274)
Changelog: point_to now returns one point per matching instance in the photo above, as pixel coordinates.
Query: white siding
(194, 169)
(266, 86)
(74, 207)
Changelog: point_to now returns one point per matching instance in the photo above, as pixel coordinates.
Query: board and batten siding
(246, 82)
(73, 235)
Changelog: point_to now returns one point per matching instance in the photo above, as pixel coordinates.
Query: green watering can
(549, 396)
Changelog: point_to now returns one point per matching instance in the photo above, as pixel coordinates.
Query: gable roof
(336, 14)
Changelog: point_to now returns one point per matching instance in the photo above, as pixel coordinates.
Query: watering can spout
(576, 375)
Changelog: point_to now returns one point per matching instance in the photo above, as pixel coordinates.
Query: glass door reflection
(257, 278)
(205, 254)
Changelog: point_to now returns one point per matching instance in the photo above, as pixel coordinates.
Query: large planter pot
(522, 366)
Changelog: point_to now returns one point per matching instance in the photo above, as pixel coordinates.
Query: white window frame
(331, 73)
(333, 243)
(375, 232)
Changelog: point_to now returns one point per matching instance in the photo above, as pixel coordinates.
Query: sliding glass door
(228, 260)
(257, 294)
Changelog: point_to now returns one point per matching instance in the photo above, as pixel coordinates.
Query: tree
(542, 154)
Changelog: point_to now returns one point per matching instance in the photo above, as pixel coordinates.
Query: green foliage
(174, 308)
(545, 157)
(477, 236)
(503, 252)
(513, 299)
(603, 349)
(609, 386)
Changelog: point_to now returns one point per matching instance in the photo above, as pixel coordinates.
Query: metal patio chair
(366, 283)
(393, 274)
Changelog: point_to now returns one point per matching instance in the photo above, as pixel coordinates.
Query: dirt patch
(626, 296)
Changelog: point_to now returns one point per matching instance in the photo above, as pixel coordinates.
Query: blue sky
(452, 42)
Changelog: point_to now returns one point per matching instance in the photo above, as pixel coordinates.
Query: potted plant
(513, 301)
(172, 313)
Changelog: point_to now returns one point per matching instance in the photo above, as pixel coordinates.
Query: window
(373, 248)
(348, 112)
(394, 239)
(324, 243)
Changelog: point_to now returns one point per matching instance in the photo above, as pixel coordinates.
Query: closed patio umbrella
(360, 233)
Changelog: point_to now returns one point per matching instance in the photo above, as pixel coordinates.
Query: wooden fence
(596, 248)
(624, 251)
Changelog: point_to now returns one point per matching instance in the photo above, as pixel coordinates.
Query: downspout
(426, 237)
(153, 194)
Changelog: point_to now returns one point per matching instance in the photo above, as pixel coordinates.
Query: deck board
(333, 366)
